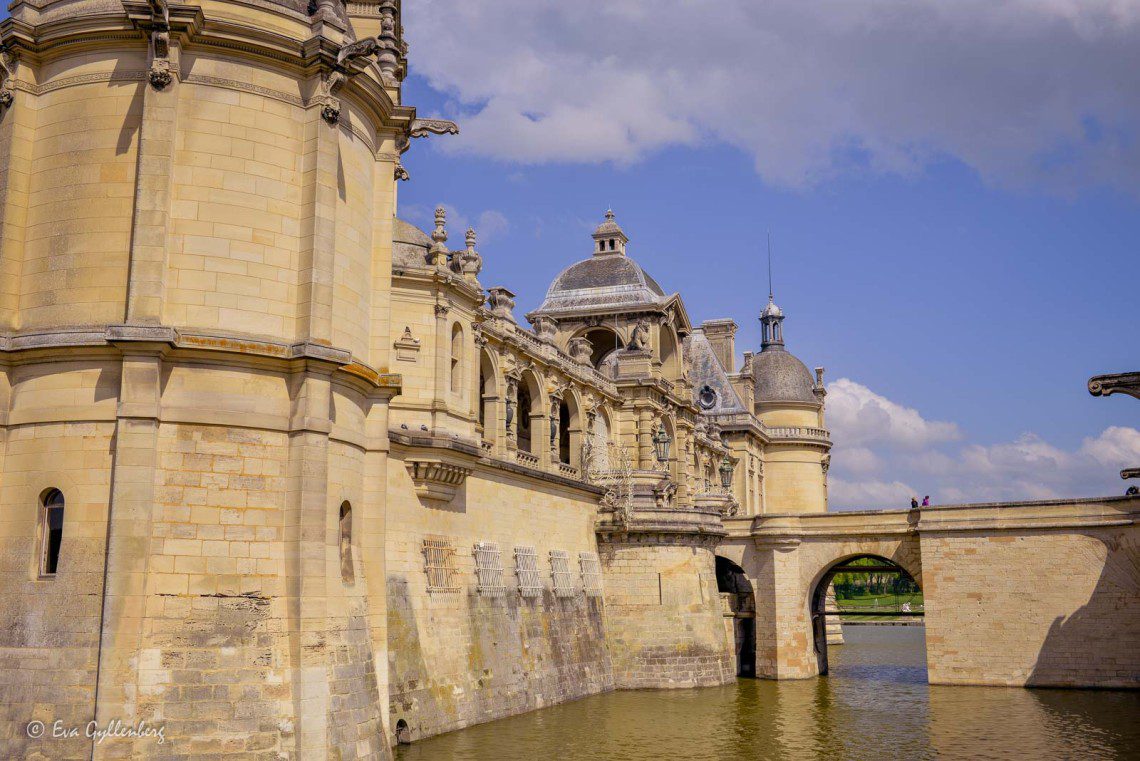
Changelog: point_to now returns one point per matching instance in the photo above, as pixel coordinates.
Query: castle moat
(874, 704)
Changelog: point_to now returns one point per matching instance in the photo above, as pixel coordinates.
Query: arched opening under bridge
(895, 583)
(738, 601)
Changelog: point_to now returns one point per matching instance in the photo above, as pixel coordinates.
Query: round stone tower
(789, 402)
(196, 203)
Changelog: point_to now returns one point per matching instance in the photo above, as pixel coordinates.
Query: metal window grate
(439, 563)
(526, 567)
(489, 569)
(591, 573)
(560, 571)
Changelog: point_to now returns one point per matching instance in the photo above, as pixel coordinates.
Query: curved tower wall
(193, 350)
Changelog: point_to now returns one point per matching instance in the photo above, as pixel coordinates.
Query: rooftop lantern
(726, 472)
(661, 442)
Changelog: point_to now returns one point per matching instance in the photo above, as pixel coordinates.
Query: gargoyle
(425, 127)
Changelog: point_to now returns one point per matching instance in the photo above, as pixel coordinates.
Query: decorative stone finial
(581, 350)
(501, 301)
(545, 328)
(472, 262)
(438, 253)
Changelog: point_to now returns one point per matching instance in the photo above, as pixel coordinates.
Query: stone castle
(279, 474)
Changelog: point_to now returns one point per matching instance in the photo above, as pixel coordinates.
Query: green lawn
(885, 602)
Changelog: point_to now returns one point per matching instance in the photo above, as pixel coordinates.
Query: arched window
(563, 433)
(523, 434)
(51, 531)
(347, 574)
(456, 358)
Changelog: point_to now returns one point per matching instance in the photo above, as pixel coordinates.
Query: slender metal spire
(769, 266)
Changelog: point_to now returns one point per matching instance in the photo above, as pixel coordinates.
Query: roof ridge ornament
(438, 253)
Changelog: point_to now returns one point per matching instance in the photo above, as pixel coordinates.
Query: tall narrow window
(456, 359)
(51, 531)
(347, 574)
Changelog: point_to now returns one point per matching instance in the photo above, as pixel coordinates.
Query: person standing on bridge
(913, 502)
(926, 501)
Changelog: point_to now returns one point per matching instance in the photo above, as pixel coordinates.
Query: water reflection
(874, 704)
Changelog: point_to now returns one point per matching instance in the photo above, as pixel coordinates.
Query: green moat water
(875, 704)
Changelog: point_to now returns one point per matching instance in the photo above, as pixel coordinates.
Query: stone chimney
(722, 336)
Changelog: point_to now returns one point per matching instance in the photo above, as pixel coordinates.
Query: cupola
(609, 239)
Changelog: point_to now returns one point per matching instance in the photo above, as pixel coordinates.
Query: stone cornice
(416, 445)
(33, 346)
(61, 34)
(988, 517)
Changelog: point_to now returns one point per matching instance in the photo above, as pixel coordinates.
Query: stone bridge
(1023, 594)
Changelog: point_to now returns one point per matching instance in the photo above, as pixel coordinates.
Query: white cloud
(885, 453)
(858, 415)
(1024, 91)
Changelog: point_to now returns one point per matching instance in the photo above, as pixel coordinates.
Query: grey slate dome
(609, 278)
(781, 377)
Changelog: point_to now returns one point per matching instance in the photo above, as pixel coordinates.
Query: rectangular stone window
(560, 572)
(439, 563)
(526, 568)
(591, 573)
(489, 569)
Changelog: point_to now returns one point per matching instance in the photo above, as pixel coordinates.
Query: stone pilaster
(150, 222)
(318, 228)
(126, 582)
(442, 369)
(17, 129)
(305, 567)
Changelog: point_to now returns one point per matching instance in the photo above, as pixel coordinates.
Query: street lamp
(726, 472)
(661, 442)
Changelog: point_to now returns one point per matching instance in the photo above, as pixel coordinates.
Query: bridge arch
(738, 603)
(859, 562)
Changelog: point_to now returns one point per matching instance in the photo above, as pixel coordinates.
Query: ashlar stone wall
(460, 657)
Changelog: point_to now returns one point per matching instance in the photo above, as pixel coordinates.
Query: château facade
(281, 475)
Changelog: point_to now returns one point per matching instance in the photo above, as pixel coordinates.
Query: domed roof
(602, 281)
(410, 245)
(771, 310)
(608, 279)
(781, 377)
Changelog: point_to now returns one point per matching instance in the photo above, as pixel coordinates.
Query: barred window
(591, 573)
(439, 562)
(526, 567)
(489, 569)
(560, 571)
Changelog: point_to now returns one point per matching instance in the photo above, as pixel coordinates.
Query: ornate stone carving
(389, 46)
(545, 328)
(581, 350)
(501, 301)
(438, 253)
(347, 60)
(1120, 383)
(160, 70)
(8, 64)
(441, 310)
(435, 480)
(664, 493)
(400, 172)
(425, 127)
(407, 347)
(639, 339)
(471, 264)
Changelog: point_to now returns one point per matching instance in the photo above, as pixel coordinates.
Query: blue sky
(964, 286)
